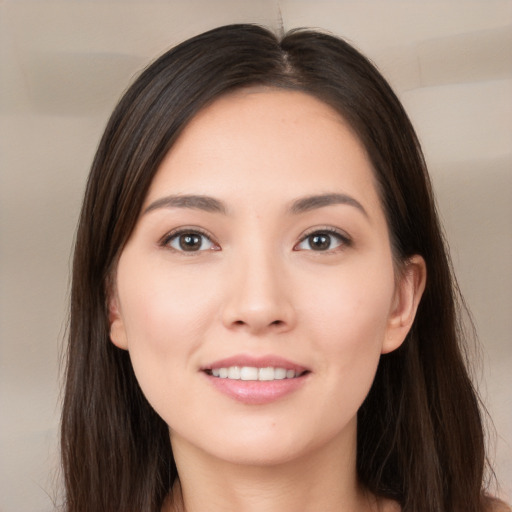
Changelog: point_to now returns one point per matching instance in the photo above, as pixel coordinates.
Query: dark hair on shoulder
(420, 437)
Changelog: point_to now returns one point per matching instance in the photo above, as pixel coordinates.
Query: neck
(322, 480)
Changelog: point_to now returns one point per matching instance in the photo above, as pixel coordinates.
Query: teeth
(266, 374)
(233, 372)
(252, 373)
(280, 373)
(248, 373)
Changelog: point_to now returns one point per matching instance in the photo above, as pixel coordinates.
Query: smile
(256, 380)
(268, 373)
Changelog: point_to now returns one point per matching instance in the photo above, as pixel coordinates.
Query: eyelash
(342, 238)
(174, 235)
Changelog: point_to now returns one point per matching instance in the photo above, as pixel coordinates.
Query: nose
(259, 297)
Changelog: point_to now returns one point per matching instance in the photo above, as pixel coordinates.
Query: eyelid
(342, 236)
(182, 230)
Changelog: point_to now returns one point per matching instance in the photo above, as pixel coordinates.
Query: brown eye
(319, 242)
(190, 241)
(322, 241)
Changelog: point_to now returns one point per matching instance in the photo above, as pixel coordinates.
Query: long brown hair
(420, 437)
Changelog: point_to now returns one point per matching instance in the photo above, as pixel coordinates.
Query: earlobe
(408, 293)
(117, 329)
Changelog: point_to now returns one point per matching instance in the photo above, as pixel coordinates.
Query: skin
(258, 287)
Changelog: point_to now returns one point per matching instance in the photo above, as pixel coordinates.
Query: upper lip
(256, 362)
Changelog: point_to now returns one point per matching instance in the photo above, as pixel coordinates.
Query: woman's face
(257, 291)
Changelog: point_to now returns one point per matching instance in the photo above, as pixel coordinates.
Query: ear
(116, 322)
(408, 292)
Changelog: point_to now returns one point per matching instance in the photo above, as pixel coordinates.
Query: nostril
(277, 323)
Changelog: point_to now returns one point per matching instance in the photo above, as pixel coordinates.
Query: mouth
(256, 380)
(255, 373)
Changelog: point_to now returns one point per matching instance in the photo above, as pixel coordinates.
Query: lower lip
(256, 392)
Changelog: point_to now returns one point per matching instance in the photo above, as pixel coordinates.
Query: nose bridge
(258, 297)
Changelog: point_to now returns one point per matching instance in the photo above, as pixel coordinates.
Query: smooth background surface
(63, 66)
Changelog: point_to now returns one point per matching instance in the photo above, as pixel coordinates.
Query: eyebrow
(210, 204)
(308, 203)
(195, 202)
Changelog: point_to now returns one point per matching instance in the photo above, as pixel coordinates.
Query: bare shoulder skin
(500, 506)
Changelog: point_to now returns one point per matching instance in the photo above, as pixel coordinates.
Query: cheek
(354, 298)
(161, 308)
(349, 318)
(165, 317)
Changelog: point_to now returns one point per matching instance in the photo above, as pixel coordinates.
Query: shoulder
(496, 505)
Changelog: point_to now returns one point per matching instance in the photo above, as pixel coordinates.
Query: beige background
(64, 64)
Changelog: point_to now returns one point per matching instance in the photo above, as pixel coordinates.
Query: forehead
(260, 139)
(269, 115)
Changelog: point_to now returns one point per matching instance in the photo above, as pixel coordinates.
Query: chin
(270, 446)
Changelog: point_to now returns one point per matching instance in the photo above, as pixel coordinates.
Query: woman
(263, 315)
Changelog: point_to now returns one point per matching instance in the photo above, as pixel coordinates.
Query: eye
(189, 241)
(322, 240)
